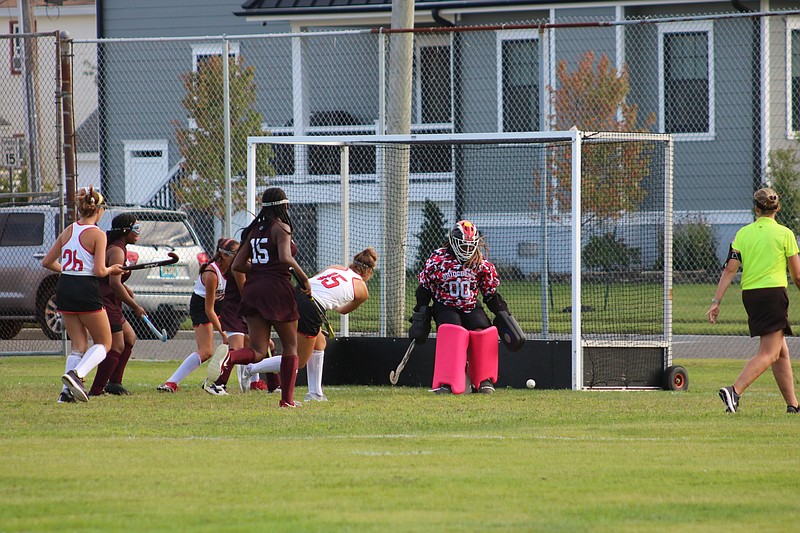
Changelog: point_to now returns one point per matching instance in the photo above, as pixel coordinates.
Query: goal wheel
(675, 378)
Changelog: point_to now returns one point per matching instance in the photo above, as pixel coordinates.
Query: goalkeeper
(452, 278)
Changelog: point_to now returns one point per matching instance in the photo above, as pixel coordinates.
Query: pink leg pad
(451, 357)
(482, 355)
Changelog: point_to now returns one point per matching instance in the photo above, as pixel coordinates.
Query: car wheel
(46, 310)
(9, 329)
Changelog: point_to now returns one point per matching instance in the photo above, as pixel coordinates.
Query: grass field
(395, 459)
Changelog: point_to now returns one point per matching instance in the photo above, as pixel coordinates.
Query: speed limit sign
(12, 152)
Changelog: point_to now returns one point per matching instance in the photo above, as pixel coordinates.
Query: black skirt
(767, 310)
(78, 294)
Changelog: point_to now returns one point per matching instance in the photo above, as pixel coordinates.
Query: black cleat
(116, 389)
(66, 397)
(486, 387)
(443, 389)
(729, 398)
(75, 386)
(792, 409)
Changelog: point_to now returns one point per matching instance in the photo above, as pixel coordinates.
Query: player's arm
(239, 278)
(115, 256)
(210, 282)
(421, 317)
(794, 269)
(729, 270)
(241, 262)
(97, 243)
(283, 239)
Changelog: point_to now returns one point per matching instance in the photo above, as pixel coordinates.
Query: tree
(593, 98)
(433, 233)
(784, 173)
(203, 143)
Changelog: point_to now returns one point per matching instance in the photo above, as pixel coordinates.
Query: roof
(86, 140)
(274, 8)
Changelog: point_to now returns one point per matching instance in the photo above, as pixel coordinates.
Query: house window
(686, 79)
(793, 75)
(16, 47)
(518, 82)
(432, 80)
(202, 52)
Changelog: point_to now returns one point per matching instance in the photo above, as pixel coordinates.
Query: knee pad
(451, 357)
(482, 355)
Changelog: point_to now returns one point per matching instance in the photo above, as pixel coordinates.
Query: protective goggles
(137, 228)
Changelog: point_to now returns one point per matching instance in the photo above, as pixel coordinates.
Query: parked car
(27, 291)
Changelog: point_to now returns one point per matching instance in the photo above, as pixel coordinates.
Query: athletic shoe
(116, 389)
(217, 362)
(290, 405)
(216, 390)
(444, 389)
(486, 387)
(75, 386)
(168, 387)
(314, 397)
(729, 398)
(258, 385)
(792, 409)
(66, 397)
(244, 378)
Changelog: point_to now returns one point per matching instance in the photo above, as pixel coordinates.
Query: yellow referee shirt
(764, 246)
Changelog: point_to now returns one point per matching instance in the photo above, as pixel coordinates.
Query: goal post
(578, 224)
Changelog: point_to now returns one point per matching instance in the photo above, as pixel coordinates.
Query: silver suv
(27, 291)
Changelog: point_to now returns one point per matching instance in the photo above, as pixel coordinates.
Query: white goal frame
(574, 136)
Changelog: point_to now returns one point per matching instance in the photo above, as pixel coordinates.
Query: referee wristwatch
(715, 301)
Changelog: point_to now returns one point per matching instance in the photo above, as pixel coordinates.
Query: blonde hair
(766, 200)
(88, 201)
(364, 261)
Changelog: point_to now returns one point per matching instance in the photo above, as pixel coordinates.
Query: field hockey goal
(578, 224)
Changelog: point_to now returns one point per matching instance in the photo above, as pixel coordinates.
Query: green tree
(202, 145)
(432, 235)
(593, 98)
(784, 173)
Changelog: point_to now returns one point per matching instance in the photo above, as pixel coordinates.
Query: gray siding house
(724, 83)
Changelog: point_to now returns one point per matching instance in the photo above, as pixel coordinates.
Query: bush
(606, 252)
(694, 246)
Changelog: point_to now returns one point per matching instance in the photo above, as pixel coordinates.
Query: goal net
(578, 225)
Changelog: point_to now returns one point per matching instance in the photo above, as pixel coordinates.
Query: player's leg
(482, 359)
(314, 369)
(204, 338)
(98, 327)
(287, 332)
(115, 380)
(782, 370)
(769, 349)
(109, 364)
(451, 358)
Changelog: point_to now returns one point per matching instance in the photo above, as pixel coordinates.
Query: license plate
(169, 271)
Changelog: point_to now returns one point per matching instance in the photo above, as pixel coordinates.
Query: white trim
(515, 35)
(792, 24)
(212, 49)
(706, 26)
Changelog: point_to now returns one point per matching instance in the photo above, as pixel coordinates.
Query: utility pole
(31, 75)
(395, 194)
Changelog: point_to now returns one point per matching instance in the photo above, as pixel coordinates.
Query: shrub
(606, 252)
(694, 246)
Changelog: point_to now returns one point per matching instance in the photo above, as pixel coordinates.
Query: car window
(164, 233)
(22, 229)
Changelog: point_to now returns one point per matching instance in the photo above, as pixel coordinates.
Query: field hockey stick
(320, 311)
(394, 375)
(173, 258)
(161, 335)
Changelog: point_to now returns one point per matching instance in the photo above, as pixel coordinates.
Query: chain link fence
(151, 129)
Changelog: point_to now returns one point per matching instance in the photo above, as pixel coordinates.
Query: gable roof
(274, 8)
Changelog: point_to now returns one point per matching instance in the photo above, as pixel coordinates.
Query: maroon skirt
(270, 297)
(767, 310)
(230, 319)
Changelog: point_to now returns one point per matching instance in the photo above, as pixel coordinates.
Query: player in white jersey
(204, 308)
(338, 288)
(79, 254)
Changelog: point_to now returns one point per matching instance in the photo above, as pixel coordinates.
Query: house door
(146, 167)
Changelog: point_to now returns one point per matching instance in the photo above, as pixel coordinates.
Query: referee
(764, 249)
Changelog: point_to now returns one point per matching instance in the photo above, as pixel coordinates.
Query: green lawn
(394, 459)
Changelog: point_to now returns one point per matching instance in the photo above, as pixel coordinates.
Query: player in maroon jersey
(453, 277)
(124, 231)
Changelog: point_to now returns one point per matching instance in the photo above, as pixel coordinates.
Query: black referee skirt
(767, 310)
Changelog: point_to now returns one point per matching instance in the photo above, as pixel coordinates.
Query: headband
(361, 264)
(278, 202)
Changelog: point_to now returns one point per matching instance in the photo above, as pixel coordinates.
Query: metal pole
(344, 324)
(69, 182)
(30, 72)
(226, 97)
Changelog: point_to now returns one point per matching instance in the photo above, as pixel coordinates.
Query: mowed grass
(394, 459)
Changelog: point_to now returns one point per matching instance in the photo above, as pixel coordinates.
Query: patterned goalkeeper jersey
(456, 285)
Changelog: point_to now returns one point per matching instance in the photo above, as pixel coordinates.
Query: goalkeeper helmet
(464, 240)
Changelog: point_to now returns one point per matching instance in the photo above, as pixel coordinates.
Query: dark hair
(225, 246)
(87, 201)
(364, 261)
(274, 206)
(121, 226)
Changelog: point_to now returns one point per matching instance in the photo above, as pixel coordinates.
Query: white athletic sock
(189, 365)
(314, 371)
(268, 364)
(93, 357)
(73, 359)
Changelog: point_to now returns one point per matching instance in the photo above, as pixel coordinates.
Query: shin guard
(482, 355)
(451, 357)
